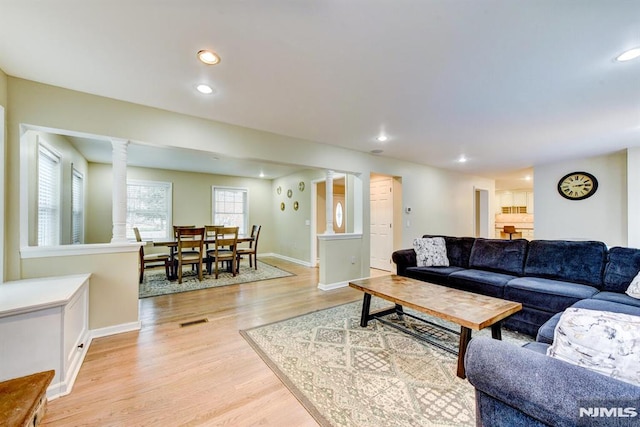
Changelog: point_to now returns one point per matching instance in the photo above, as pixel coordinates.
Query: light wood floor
(200, 375)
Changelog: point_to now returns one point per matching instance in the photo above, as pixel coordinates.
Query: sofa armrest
(404, 258)
(545, 389)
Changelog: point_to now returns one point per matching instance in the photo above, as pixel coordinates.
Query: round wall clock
(577, 185)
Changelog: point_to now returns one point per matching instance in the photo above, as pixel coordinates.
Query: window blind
(149, 208)
(77, 207)
(49, 170)
(230, 207)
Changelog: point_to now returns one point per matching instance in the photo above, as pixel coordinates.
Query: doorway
(481, 217)
(381, 197)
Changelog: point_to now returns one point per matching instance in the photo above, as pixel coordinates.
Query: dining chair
(178, 227)
(151, 260)
(210, 234)
(224, 249)
(189, 249)
(252, 250)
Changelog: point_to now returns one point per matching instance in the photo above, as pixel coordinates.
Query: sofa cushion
(578, 262)
(437, 275)
(501, 256)
(527, 320)
(431, 252)
(616, 297)
(623, 266)
(458, 249)
(546, 294)
(480, 281)
(546, 331)
(603, 341)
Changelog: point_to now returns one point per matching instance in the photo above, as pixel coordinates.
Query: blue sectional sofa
(522, 386)
(546, 276)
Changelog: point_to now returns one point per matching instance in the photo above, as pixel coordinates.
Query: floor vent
(193, 322)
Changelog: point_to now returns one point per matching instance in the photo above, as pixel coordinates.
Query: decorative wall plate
(289, 193)
(301, 186)
(295, 206)
(281, 206)
(279, 190)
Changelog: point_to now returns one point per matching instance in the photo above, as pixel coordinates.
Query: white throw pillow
(603, 341)
(634, 288)
(431, 252)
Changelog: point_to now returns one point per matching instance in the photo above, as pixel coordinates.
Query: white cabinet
(509, 199)
(519, 198)
(44, 324)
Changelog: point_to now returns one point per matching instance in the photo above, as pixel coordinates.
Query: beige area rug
(155, 281)
(346, 375)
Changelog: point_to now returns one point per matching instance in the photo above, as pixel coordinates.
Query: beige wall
(3, 88)
(113, 296)
(602, 216)
(293, 238)
(191, 199)
(3, 138)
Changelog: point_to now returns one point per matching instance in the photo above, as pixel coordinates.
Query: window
(230, 207)
(149, 209)
(49, 172)
(77, 207)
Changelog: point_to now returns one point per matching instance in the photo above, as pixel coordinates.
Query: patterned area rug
(155, 282)
(346, 375)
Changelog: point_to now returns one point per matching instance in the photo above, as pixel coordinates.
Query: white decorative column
(329, 202)
(119, 191)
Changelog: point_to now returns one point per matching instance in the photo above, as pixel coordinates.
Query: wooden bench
(24, 399)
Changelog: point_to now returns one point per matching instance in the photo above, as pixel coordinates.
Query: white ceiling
(509, 84)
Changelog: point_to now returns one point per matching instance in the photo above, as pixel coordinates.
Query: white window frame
(49, 234)
(167, 233)
(217, 217)
(77, 206)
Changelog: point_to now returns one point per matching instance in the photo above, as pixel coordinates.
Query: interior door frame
(314, 217)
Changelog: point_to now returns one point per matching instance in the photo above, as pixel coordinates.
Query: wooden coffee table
(467, 309)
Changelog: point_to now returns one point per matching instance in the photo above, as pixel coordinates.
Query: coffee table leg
(496, 331)
(465, 337)
(366, 304)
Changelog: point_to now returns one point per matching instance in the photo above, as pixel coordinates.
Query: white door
(381, 223)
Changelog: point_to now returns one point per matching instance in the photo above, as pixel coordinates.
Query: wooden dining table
(172, 244)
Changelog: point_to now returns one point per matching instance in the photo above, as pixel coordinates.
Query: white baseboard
(331, 286)
(64, 386)
(336, 285)
(116, 329)
(286, 258)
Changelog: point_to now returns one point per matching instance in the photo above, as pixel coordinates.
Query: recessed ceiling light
(208, 57)
(382, 138)
(206, 89)
(462, 159)
(629, 55)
